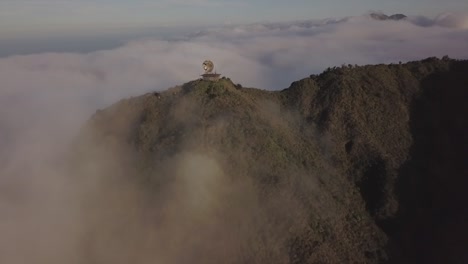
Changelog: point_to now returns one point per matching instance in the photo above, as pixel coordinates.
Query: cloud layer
(45, 98)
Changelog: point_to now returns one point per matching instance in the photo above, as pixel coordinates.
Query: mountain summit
(355, 165)
(382, 16)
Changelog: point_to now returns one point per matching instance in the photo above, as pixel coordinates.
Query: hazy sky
(29, 17)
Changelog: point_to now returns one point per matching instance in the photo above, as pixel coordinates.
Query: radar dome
(208, 66)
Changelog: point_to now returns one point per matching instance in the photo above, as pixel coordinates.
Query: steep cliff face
(401, 132)
(355, 165)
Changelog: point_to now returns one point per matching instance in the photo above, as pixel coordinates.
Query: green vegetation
(331, 169)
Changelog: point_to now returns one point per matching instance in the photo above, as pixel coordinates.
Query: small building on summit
(214, 77)
(208, 66)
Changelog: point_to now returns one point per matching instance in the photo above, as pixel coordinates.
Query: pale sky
(29, 17)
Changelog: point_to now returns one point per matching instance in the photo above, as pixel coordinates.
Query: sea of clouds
(45, 98)
(67, 88)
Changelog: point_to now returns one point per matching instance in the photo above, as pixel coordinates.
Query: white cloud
(45, 98)
(456, 20)
(448, 19)
(69, 87)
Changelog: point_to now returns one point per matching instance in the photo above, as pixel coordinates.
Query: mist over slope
(357, 164)
(45, 97)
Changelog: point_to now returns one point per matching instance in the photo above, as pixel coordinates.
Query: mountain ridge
(382, 16)
(329, 170)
